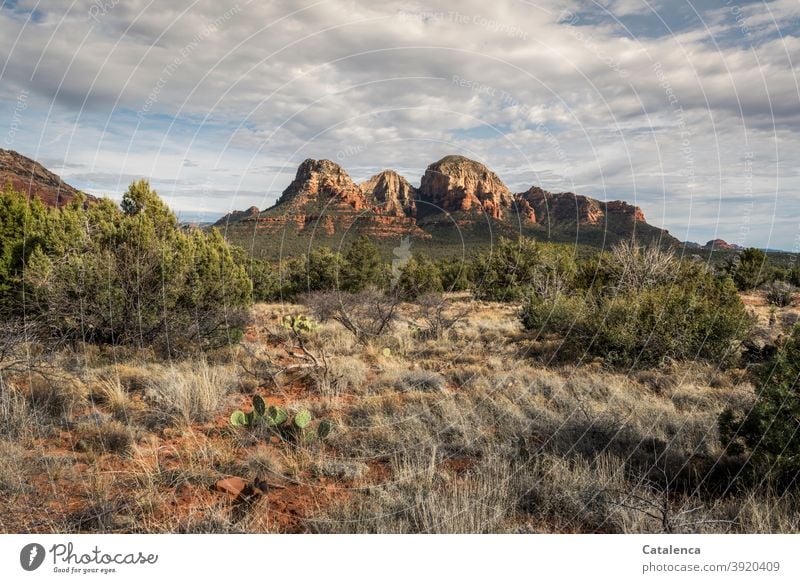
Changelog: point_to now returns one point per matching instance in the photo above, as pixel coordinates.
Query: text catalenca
(670, 550)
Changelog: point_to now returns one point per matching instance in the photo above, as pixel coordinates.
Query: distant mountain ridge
(34, 180)
(459, 201)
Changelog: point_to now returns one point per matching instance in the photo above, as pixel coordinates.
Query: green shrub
(267, 284)
(456, 274)
(320, 270)
(779, 293)
(770, 430)
(748, 269)
(419, 276)
(593, 272)
(27, 229)
(561, 314)
(363, 267)
(696, 318)
(513, 268)
(127, 277)
(793, 276)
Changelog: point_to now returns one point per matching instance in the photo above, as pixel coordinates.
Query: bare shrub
(112, 393)
(761, 512)
(264, 461)
(420, 499)
(17, 418)
(342, 375)
(15, 348)
(635, 268)
(437, 315)
(571, 495)
(405, 381)
(56, 397)
(339, 469)
(367, 314)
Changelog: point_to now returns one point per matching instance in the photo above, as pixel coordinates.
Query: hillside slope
(33, 179)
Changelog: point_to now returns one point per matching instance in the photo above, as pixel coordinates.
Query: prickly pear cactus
(299, 324)
(276, 416)
(259, 406)
(302, 419)
(324, 429)
(238, 419)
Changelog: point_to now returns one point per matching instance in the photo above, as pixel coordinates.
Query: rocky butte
(459, 201)
(457, 184)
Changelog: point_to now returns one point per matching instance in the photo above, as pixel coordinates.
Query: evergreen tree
(363, 267)
(770, 430)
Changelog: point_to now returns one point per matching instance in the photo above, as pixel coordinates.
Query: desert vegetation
(154, 378)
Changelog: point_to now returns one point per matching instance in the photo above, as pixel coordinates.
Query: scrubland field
(464, 432)
(635, 391)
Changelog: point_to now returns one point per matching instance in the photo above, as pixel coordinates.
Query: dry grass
(17, 418)
(14, 468)
(467, 431)
(191, 391)
(104, 437)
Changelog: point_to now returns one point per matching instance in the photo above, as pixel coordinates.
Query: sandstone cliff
(456, 184)
(552, 209)
(392, 193)
(320, 180)
(323, 201)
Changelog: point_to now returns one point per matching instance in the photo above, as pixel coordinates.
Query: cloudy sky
(688, 108)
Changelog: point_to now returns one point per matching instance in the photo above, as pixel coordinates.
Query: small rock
(233, 486)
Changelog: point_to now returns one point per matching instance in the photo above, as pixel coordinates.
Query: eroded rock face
(34, 180)
(622, 208)
(455, 184)
(322, 179)
(391, 193)
(569, 208)
(323, 200)
(455, 192)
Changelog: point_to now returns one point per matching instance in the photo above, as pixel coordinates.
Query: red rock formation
(622, 208)
(569, 208)
(236, 216)
(525, 210)
(34, 180)
(721, 244)
(455, 184)
(320, 180)
(322, 200)
(391, 193)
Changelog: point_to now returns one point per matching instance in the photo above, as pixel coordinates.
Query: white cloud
(256, 87)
